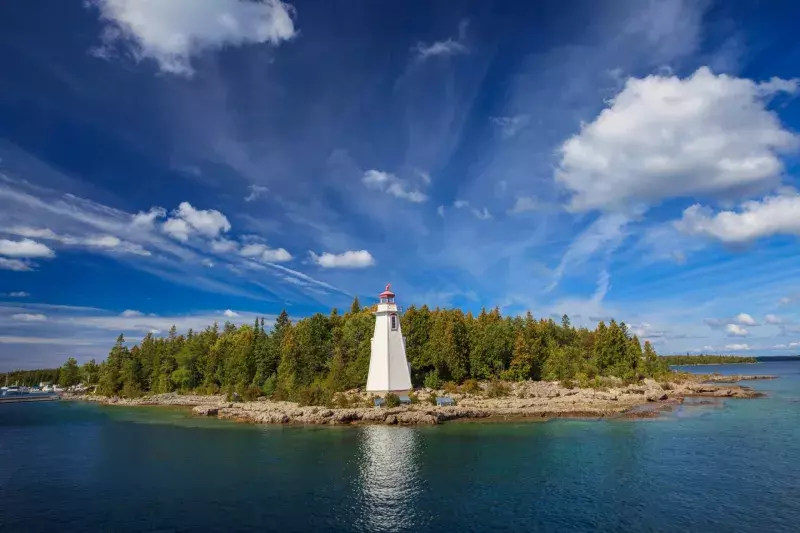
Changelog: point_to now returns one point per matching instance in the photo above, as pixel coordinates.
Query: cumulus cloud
(230, 314)
(735, 330)
(663, 137)
(146, 220)
(223, 246)
(391, 184)
(745, 319)
(773, 215)
(737, 347)
(26, 248)
(107, 243)
(773, 320)
(29, 317)
(349, 259)
(131, 313)
(19, 294)
(510, 126)
(187, 220)
(15, 265)
(265, 253)
(255, 192)
(172, 32)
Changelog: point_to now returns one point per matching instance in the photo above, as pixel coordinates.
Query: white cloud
(19, 294)
(735, 330)
(172, 32)
(14, 264)
(108, 243)
(664, 137)
(745, 319)
(524, 204)
(265, 253)
(773, 320)
(29, 317)
(391, 184)
(255, 192)
(223, 246)
(440, 211)
(445, 48)
(177, 228)
(349, 259)
(66, 341)
(230, 314)
(207, 222)
(440, 48)
(26, 248)
(146, 220)
(737, 347)
(511, 126)
(481, 214)
(773, 215)
(131, 313)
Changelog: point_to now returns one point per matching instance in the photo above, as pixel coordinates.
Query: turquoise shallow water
(728, 467)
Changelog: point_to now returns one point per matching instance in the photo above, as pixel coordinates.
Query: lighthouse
(388, 368)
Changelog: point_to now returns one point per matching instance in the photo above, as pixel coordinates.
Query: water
(84, 467)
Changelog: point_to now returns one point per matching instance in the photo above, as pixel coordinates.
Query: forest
(707, 359)
(312, 358)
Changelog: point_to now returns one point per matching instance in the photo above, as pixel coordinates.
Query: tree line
(314, 357)
(707, 359)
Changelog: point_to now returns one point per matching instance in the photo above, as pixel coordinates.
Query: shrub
(450, 387)
(251, 393)
(432, 380)
(568, 383)
(392, 400)
(412, 396)
(270, 385)
(471, 386)
(432, 398)
(315, 394)
(497, 389)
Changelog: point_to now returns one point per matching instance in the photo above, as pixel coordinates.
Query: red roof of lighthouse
(387, 293)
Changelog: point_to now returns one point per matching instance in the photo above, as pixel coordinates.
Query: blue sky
(196, 160)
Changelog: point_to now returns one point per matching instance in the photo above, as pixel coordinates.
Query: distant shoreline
(525, 401)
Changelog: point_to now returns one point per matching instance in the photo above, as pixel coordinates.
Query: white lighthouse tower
(388, 368)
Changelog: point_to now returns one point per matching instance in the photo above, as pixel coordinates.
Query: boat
(15, 394)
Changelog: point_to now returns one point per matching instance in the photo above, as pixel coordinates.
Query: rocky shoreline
(523, 400)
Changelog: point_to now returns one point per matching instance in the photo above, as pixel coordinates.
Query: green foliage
(315, 394)
(432, 398)
(392, 400)
(413, 398)
(432, 380)
(313, 359)
(70, 373)
(706, 359)
(450, 387)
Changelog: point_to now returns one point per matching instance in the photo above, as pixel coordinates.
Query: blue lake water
(731, 467)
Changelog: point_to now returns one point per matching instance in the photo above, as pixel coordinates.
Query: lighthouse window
(394, 321)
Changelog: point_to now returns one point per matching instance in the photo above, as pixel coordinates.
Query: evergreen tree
(70, 374)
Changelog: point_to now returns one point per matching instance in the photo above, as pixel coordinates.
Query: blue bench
(444, 401)
(404, 399)
(379, 402)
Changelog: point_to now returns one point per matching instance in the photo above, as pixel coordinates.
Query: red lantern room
(387, 296)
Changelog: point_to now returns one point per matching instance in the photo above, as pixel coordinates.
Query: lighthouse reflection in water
(390, 483)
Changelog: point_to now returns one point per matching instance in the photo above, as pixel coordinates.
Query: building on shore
(389, 370)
